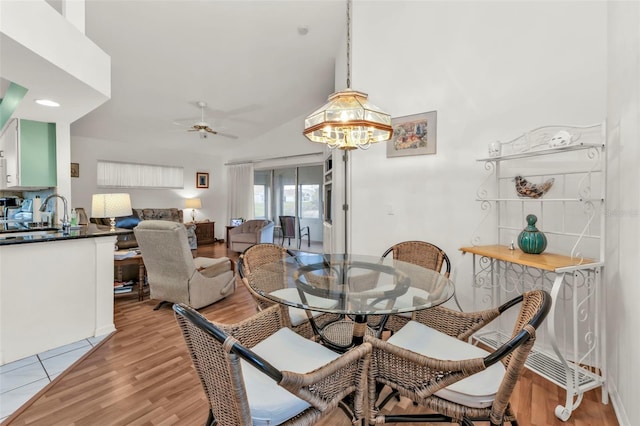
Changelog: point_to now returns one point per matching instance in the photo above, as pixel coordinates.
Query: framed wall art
(75, 169)
(413, 135)
(202, 180)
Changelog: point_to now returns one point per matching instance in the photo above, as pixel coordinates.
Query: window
(310, 201)
(288, 200)
(290, 191)
(261, 191)
(259, 201)
(131, 175)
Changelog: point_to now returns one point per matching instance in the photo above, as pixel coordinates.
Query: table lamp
(193, 204)
(111, 206)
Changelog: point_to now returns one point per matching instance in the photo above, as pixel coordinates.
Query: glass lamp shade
(111, 206)
(348, 121)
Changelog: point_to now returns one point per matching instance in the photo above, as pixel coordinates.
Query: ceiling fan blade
(227, 135)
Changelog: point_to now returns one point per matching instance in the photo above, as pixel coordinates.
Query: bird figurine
(524, 188)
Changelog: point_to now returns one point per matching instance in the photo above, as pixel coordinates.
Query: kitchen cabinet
(565, 170)
(28, 152)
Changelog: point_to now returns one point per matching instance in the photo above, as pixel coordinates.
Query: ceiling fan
(203, 128)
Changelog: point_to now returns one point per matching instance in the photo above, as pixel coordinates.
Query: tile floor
(20, 380)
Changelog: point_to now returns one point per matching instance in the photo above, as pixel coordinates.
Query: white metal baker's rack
(571, 351)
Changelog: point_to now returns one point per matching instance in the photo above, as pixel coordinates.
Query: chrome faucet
(66, 225)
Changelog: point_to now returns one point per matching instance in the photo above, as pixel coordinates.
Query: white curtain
(240, 178)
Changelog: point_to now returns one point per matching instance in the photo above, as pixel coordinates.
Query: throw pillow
(127, 222)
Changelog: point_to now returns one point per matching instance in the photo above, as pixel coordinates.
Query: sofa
(126, 241)
(250, 233)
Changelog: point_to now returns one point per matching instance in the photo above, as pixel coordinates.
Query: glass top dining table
(352, 285)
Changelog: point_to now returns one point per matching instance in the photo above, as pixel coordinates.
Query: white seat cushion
(478, 390)
(298, 316)
(271, 404)
(406, 300)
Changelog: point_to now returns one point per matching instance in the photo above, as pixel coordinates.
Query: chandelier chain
(348, 44)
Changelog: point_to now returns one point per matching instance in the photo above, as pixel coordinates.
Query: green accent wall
(12, 98)
(37, 154)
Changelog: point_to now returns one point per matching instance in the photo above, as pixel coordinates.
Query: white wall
(492, 70)
(86, 152)
(623, 207)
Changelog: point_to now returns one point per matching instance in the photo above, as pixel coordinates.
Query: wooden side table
(133, 260)
(205, 232)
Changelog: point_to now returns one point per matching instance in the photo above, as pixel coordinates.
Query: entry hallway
(142, 375)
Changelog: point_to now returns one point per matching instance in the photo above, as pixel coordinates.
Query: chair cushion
(298, 316)
(406, 300)
(205, 262)
(271, 404)
(478, 390)
(210, 267)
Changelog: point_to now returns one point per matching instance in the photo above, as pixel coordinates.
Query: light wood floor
(142, 375)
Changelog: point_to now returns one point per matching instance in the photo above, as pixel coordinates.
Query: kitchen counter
(39, 235)
(54, 289)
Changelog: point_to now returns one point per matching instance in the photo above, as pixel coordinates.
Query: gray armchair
(174, 275)
(250, 233)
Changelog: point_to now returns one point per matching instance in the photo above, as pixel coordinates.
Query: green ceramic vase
(530, 239)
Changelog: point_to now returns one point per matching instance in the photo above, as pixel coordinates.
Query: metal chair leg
(211, 421)
(159, 305)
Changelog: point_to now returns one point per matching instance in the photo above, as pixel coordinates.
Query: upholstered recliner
(250, 233)
(174, 275)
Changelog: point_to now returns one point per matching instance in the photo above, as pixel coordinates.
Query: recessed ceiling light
(47, 102)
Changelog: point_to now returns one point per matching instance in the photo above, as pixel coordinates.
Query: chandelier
(348, 121)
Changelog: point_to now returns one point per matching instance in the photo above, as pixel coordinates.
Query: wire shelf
(546, 365)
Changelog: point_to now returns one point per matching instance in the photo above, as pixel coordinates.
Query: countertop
(40, 235)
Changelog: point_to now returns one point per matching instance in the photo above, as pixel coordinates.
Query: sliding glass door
(294, 191)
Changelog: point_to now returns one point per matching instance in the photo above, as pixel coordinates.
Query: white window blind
(131, 175)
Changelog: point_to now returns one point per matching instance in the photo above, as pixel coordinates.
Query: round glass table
(354, 286)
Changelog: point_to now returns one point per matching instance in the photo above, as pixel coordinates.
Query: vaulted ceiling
(246, 59)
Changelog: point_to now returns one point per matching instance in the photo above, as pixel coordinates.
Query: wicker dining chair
(422, 254)
(258, 372)
(265, 253)
(440, 370)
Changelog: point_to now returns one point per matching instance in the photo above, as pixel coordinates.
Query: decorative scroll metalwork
(550, 138)
(568, 352)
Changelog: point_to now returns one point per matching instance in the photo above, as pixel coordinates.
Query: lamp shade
(111, 205)
(192, 203)
(348, 121)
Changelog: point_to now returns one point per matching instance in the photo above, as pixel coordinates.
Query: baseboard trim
(618, 407)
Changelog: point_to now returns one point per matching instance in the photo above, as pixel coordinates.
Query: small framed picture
(75, 169)
(202, 180)
(413, 135)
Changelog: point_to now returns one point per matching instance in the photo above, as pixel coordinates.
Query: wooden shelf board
(546, 261)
